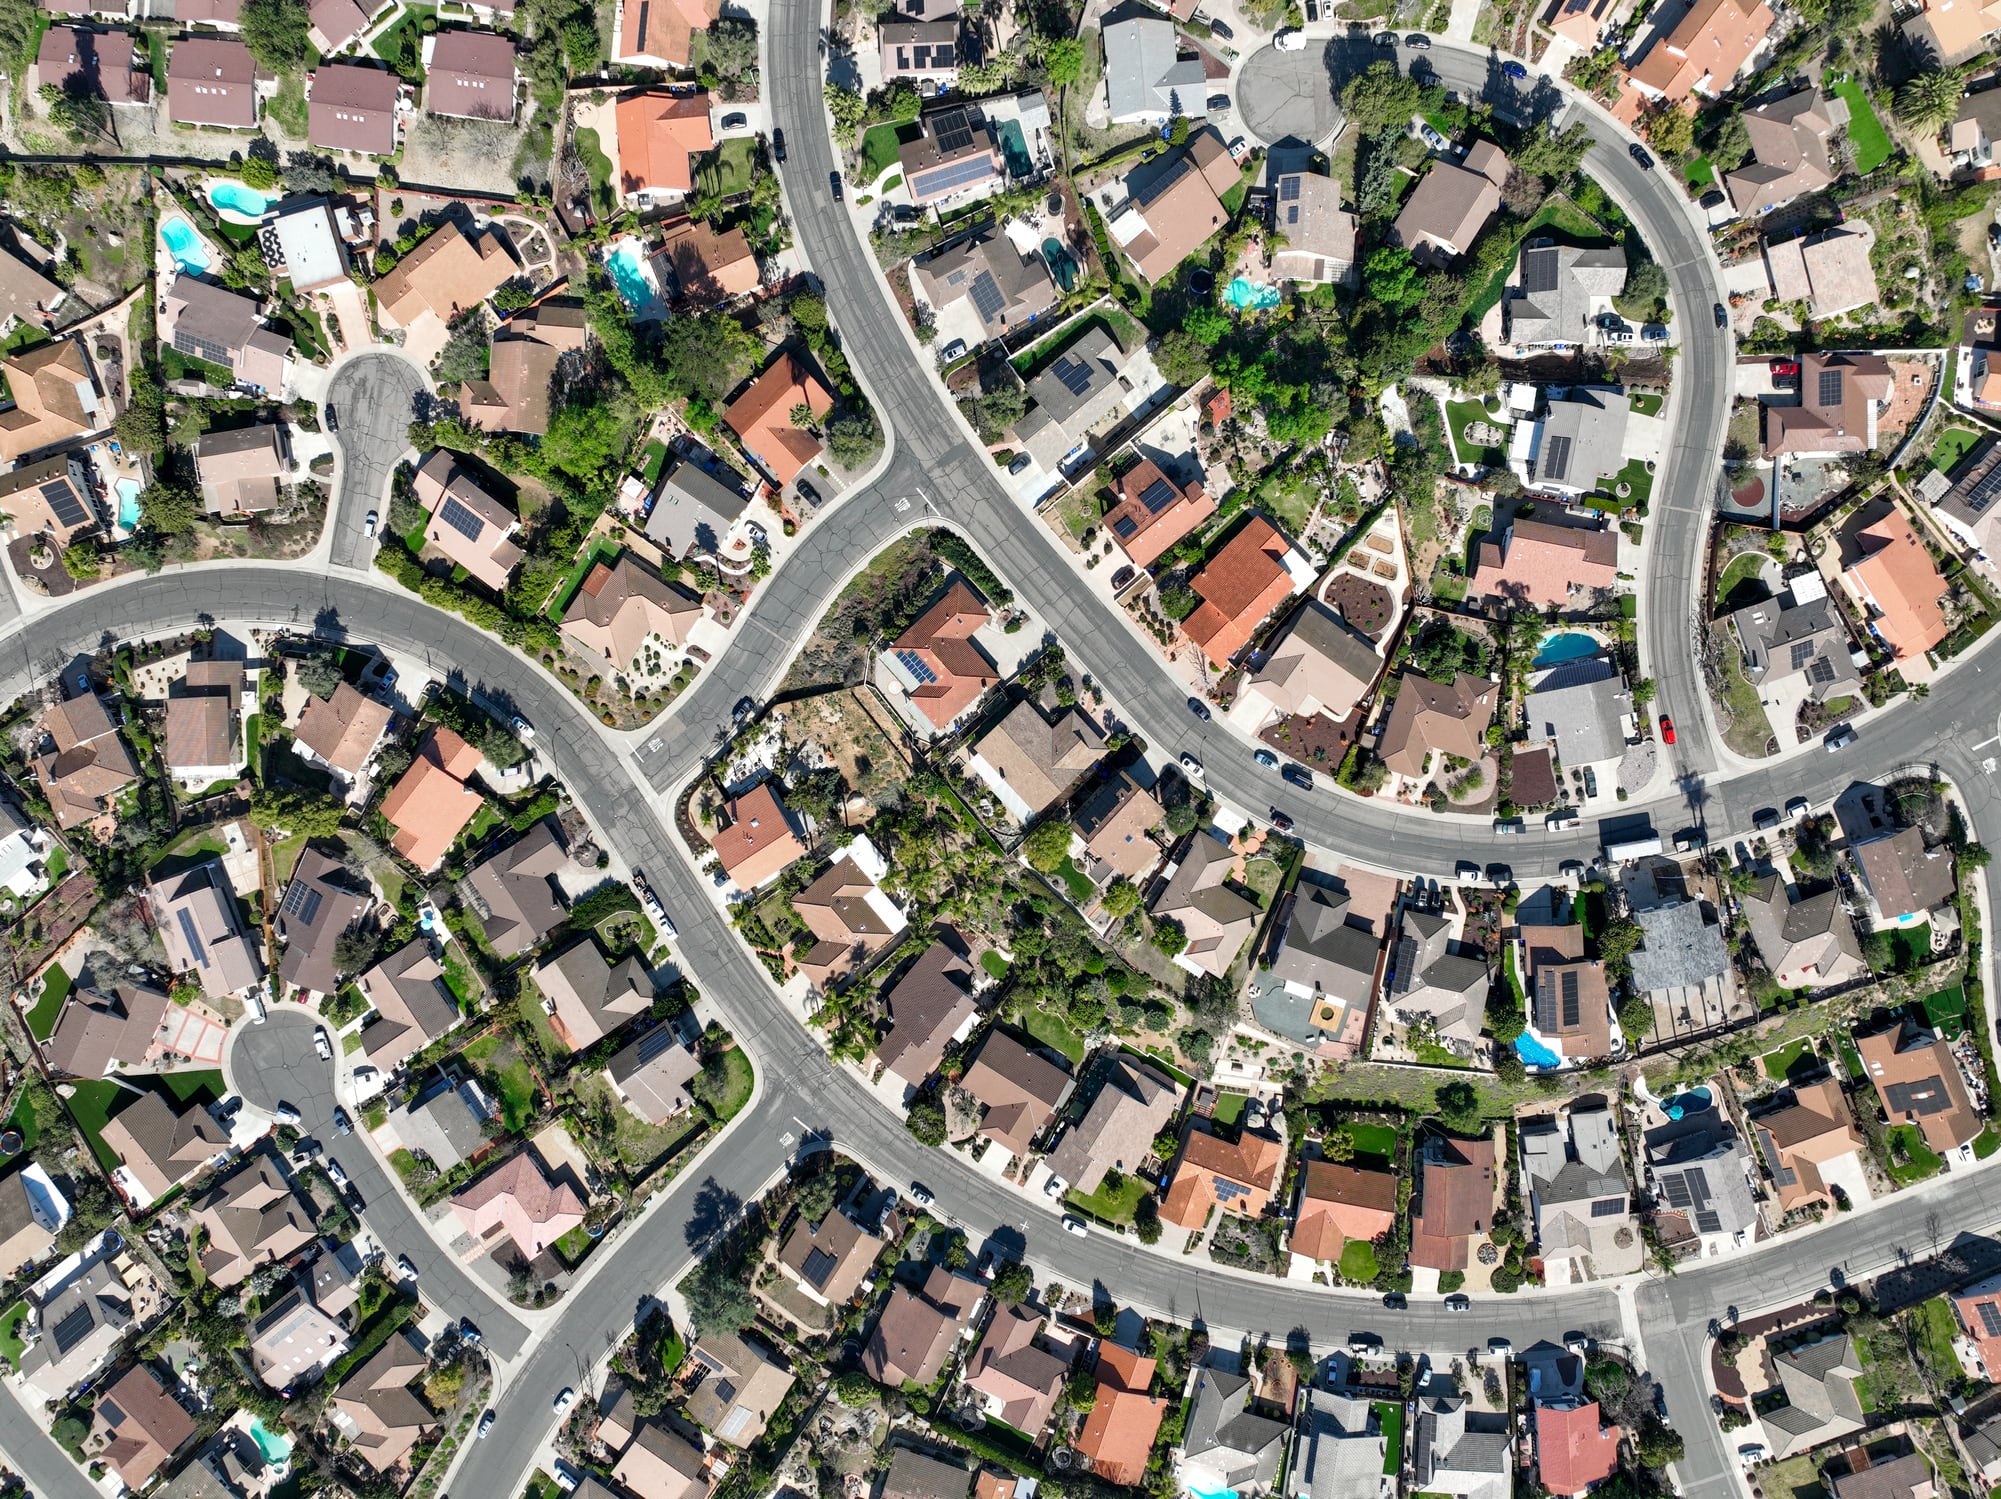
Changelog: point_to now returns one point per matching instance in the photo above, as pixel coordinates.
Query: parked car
(1509, 826)
(956, 349)
(1797, 808)
(523, 729)
(807, 493)
(1667, 729)
(286, 1114)
(1785, 368)
(1395, 1301)
(921, 1195)
(1466, 869)
(1280, 821)
(343, 1123)
(485, 1425)
(327, 415)
(1239, 149)
(335, 1175)
(564, 1400)
(1688, 840)
(1639, 154)
(1571, 869)
(1075, 1226)
(408, 1270)
(1219, 103)
(1459, 1302)
(1122, 577)
(1515, 71)
(1840, 737)
(1418, 41)
(1386, 39)
(1297, 775)
(368, 523)
(1192, 767)
(1056, 1186)
(735, 120)
(1199, 708)
(834, 186)
(778, 146)
(1222, 29)
(1500, 876)
(1292, 40)
(1751, 1452)
(1432, 138)
(1265, 758)
(1561, 820)
(469, 1332)
(1020, 464)
(1765, 819)
(1722, 316)
(321, 1044)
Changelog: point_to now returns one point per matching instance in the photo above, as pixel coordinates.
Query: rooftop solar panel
(1075, 374)
(1802, 653)
(1288, 189)
(987, 298)
(953, 131)
(1707, 1221)
(1990, 1318)
(1125, 527)
(460, 518)
(1608, 1207)
(302, 902)
(914, 664)
(1556, 459)
(1830, 387)
(1981, 495)
(73, 1328)
(1539, 269)
(945, 179)
(1821, 672)
(193, 939)
(1572, 1010)
(202, 348)
(1158, 495)
(64, 504)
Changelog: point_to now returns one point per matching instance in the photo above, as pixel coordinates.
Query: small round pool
(241, 198)
(1534, 1054)
(1570, 645)
(1247, 295)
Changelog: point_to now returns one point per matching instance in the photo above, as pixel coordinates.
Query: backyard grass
(1954, 443)
(1936, 1329)
(879, 149)
(56, 987)
(1390, 1415)
(1851, 1057)
(458, 974)
(652, 461)
(516, 1084)
(1865, 132)
(1458, 416)
(1912, 945)
(1378, 1140)
(94, 1103)
(288, 105)
(1054, 1031)
(1075, 881)
(1358, 1261)
(1798, 1477)
(597, 164)
(995, 965)
(1910, 1159)
(1229, 1107)
(1262, 877)
(11, 1346)
(285, 854)
(388, 46)
(1748, 731)
(1780, 1064)
(729, 169)
(1746, 568)
(1112, 1204)
(26, 1122)
(530, 1008)
(601, 549)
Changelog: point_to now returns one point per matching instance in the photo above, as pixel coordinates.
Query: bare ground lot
(478, 156)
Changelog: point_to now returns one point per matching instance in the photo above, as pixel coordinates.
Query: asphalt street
(276, 1062)
(373, 398)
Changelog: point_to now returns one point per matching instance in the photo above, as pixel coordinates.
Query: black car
(1722, 316)
(1280, 821)
(834, 182)
(1386, 39)
(1765, 819)
(745, 707)
(1639, 153)
(1218, 103)
(1020, 464)
(1221, 29)
(1395, 1301)
(1299, 775)
(1500, 876)
(1418, 40)
(1199, 708)
(778, 145)
(1122, 577)
(807, 493)
(327, 412)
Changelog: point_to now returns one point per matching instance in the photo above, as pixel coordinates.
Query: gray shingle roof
(1681, 948)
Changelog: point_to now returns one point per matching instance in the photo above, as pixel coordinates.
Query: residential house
(1560, 290)
(514, 892)
(448, 1123)
(1018, 1090)
(26, 295)
(954, 156)
(240, 470)
(1580, 707)
(1701, 1173)
(757, 840)
(251, 1218)
(1151, 512)
(469, 75)
(431, 804)
(1983, 1452)
(32, 1212)
(1822, 1404)
(517, 1206)
(323, 900)
(1016, 1372)
(1951, 31)
(50, 499)
(1339, 1202)
(1031, 763)
(1795, 650)
(912, 1475)
(203, 741)
(1791, 140)
(1977, 1309)
(1578, 444)
(377, 1411)
(938, 664)
(1216, 920)
(1899, 586)
(590, 997)
(139, 1427)
(1451, 205)
(1466, 1453)
(829, 1260)
(56, 399)
(930, 1006)
(1455, 1200)
(694, 511)
(1006, 288)
(1807, 942)
(1575, 1449)
(1909, 1476)
(1255, 572)
(621, 606)
(1114, 821)
(1084, 384)
(98, 1034)
(412, 1004)
(1147, 80)
(1133, 1105)
(25, 849)
(1329, 957)
(1235, 1176)
(467, 524)
(1918, 1082)
(1545, 564)
(292, 1340)
(701, 267)
(518, 389)
(341, 732)
(1172, 207)
(82, 1325)
(918, 1326)
(1124, 1419)
(1446, 718)
(203, 321)
(114, 66)
(212, 81)
(1341, 1449)
(1807, 1138)
(657, 1460)
(158, 1148)
(1964, 503)
(660, 33)
(651, 1075)
(1225, 1445)
(1319, 665)
(659, 134)
(1570, 1000)
(735, 1387)
(1319, 244)
(923, 52)
(335, 23)
(1681, 952)
(1702, 53)
(449, 272)
(850, 917)
(761, 417)
(351, 107)
(1434, 978)
(1903, 876)
(202, 929)
(1839, 398)
(1831, 272)
(1576, 1180)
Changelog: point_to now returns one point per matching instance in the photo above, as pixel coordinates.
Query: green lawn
(1635, 476)
(388, 46)
(1112, 1204)
(1699, 173)
(1460, 414)
(11, 1346)
(1745, 570)
(1936, 1328)
(93, 1104)
(1946, 1010)
(406, 1165)
(1562, 219)
(597, 164)
(879, 149)
(27, 1121)
(742, 1079)
(1054, 1031)
(1954, 443)
(288, 105)
(1794, 1055)
(995, 965)
(1648, 404)
(1358, 1262)
(56, 987)
(1075, 881)
(1851, 1057)
(601, 549)
(1378, 1140)
(516, 1083)
(1911, 1160)
(574, 1245)
(1230, 1107)
(1912, 944)
(1865, 132)
(1390, 1415)
(652, 461)
(729, 169)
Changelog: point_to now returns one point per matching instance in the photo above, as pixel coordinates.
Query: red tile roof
(658, 132)
(759, 841)
(942, 640)
(762, 418)
(1339, 1202)
(1572, 1450)
(1118, 1436)
(1241, 585)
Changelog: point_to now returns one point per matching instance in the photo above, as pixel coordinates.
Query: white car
(1239, 149)
(523, 729)
(1075, 1226)
(565, 1400)
(1290, 40)
(335, 1174)
(368, 524)
(1751, 1452)
(1055, 1187)
(321, 1044)
(286, 1114)
(403, 1264)
(1193, 766)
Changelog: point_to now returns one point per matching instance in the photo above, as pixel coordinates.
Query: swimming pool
(1242, 293)
(277, 1449)
(128, 504)
(1061, 266)
(1695, 1100)
(238, 197)
(627, 265)
(1534, 1053)
(189, 253)
(1568, 646)
(1014, 147)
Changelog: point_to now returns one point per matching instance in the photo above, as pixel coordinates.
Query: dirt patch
(1910, 390)
(851, 734)
(1319, 741)
(477, 155)
(1363, 603)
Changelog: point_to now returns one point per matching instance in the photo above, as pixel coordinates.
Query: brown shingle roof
(1339, 1202)
(211, 81)
(471, 76)
(1449, 717)
(447, 273)
(926, 1006)
(353, 108)
(344, 729)
(1019, 1089)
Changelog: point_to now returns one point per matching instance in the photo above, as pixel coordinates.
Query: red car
(1667, 729)
(1785, 367)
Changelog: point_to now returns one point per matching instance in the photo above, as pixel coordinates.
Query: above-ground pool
(1571, 645)
(189, 253)
(1242, 293)
(1061, 266)
(128, 504)
(276, 1447)
(1534, 1053)
(627, 265)
(238, 197)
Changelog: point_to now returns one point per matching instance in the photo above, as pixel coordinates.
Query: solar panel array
(940, 180)
(819, 1265)
(460, 518)
(1830, 387)
(1125, 527)
(73, 1329)
(1074, 373)
(1292, 214)
(1567, 982)
(1990, 1318)
(987, 298)
(1228, 1192)
(193, 938)
(914, 664)
(302, 902)
(953, 130)
(1608, 1207)
(1708, 1221)
(1158, 495)
(1802, 653)
(1981, 495)
(1288, 189)
(63, 503)
(202, 348)
(1821, 672)
(1539, 270)
(1556, 458)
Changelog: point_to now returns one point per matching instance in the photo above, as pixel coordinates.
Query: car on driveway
(1123, 577)
(1265, 758)
(1515, 71)
(735, 120)
(1783, 369)
(1055, 1187)
(1219, 104)
(1239, 149)
(1222, 29)
(1433, 139)
(956, 349)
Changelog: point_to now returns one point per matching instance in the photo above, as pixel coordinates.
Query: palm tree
(1927, 100)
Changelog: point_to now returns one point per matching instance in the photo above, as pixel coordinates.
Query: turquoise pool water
(1694, 1101)
(1061, 266)
(128, 503)
(189, 253)
(1242, 293)
(627, 264)
(276, 1447)
(239, 198)
(1534, 1053)
(1014, 148)
(1569, 646)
